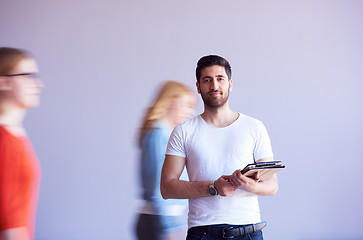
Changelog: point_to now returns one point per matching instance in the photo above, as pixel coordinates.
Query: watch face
(212, 191)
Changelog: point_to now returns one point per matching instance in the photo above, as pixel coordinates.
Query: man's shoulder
(187, 126)
(191, 122)
(7, 138)
(247, 119)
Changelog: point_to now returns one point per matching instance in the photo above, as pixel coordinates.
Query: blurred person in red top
(19, 167)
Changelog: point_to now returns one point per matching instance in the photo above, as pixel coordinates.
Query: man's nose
(214, 84)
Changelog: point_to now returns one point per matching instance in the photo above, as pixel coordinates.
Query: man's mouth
(214, 93)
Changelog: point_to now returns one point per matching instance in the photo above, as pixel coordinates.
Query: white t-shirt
(211, 152)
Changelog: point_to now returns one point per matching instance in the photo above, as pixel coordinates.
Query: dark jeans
(199, 234)
(149, 227)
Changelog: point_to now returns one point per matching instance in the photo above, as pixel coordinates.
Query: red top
(19, 182)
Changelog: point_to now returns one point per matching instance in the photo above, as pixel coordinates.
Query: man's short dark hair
(211, 60)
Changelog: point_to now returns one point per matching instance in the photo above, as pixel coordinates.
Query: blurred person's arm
(153, 152)
(20, 233)
(172, 187)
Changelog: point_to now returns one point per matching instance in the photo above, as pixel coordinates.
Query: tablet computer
(265, 169)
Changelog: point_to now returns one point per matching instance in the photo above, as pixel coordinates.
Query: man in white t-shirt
(214, 146)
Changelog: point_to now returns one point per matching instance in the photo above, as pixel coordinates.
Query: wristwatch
(212, 190)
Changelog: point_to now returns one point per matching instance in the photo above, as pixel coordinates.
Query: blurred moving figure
(19, 167)
(161, 219)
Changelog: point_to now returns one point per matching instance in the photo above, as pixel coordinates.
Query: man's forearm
(178, 189)
(267, 187)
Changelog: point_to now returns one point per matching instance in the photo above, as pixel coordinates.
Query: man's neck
(10, 116)
(219, 117)
(12, 120)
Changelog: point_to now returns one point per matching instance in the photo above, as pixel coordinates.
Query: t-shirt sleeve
(176, 143)
(263, 147)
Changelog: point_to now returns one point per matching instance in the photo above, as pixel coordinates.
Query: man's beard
(214, 102)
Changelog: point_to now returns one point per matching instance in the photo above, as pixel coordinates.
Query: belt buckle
(224, 233)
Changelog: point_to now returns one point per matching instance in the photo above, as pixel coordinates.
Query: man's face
(214, 86)
(23, 84)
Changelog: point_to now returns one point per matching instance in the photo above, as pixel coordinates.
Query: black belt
(231, 231)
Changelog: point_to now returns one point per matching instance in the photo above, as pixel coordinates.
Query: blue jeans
(200, 234)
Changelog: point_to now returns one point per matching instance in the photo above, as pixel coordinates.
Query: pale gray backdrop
(297, 66)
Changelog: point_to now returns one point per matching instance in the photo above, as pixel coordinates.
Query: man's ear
(198, 89)
(4, 83)
(230, 84)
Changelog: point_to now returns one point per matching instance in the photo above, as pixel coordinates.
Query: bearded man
(214, 146)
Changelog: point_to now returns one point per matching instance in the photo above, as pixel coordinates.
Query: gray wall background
(297, 66)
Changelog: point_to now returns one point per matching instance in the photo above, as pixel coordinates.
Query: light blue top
(152, 159)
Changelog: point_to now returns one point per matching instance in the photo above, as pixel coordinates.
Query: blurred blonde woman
(19, 167)
(161, 219)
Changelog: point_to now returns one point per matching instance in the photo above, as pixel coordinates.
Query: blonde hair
(170, 90)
